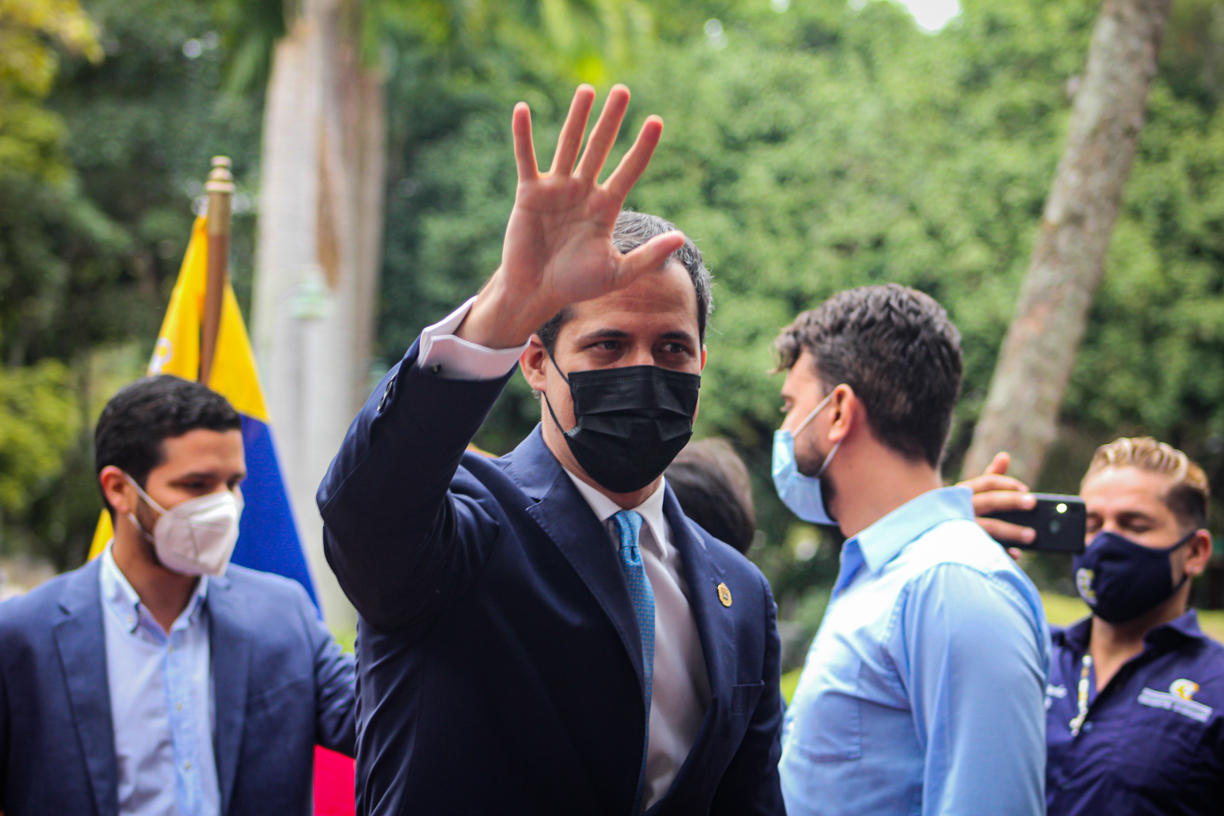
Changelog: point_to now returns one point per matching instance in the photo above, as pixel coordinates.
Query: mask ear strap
(148, 499)
(1184, 540)
(559, 371)
(545, 395)
(812, 415)
(553, 414)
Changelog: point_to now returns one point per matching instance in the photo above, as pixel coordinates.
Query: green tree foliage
(38, 420)
(830, 146)
(826, 146)
(37, 424)
(91, 240)
(30, 136)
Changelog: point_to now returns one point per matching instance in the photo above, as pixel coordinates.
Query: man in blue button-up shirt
(923, 690)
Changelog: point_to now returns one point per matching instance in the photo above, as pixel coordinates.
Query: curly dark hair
(142, 415)
(897, 349)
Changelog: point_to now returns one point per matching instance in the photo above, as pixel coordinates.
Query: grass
(1060, 610)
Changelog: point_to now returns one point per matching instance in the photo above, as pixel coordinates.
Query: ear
(119, 491)
(846, 409)
(533, 361)
(1198, 553)
(703, 357)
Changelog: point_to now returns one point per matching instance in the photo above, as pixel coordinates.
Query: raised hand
(558, 248)
(996, 492)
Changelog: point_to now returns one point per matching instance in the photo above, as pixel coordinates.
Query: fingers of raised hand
(604, 134)
(1004, 532)
(991, 482)
(647, 257)
(524, 147)
(634, 162)
(571, 132)
(1002, 501)
(1000, 463)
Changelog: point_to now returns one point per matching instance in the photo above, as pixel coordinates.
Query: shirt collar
(1076, 635)
(1185, 627)
(884, 540)
(651, 509)
(119, 596)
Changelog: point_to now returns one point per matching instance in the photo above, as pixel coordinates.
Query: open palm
(558, 248)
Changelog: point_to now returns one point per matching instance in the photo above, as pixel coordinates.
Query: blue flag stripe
(267, 536)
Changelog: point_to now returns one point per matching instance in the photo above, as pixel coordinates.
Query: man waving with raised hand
(547, 633)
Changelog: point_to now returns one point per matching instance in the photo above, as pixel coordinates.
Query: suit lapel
(714, 621)
(229, 638)
(81, 641)
(714, 627)
(568, 520)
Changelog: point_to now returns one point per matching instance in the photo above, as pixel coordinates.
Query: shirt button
(178, 707)
(1087, 726)
(171, 649)
(186, 766)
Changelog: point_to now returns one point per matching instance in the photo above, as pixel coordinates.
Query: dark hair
(138, 418)
(899, 352)
(712, 486)
(631, 231)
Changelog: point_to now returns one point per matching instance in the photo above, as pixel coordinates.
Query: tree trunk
(318, 256)
(1021, 409)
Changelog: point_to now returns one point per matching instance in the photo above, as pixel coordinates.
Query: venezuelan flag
(267, 535)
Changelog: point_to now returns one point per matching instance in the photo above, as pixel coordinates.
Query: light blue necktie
(628, 523)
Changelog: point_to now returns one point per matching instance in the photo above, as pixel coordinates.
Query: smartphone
(1058, 520)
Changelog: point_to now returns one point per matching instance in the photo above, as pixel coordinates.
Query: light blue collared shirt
(924, 690)
(161, 702)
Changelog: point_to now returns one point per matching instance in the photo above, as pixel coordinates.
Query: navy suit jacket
(280, 685)
(499, 658)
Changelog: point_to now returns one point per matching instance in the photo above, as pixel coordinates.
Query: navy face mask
(1122, 580)
(630, 422)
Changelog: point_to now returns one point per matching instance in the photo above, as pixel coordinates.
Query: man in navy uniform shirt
(1135, 703)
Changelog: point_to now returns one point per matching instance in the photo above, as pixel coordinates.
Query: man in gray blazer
(159, 678)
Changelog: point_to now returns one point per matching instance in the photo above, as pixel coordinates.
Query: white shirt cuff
(453, 358)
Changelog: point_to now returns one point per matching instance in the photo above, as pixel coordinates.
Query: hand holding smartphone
(1058, 520)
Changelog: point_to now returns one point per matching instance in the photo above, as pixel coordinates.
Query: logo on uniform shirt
(1184, 689)
(1083, 582)
(1179, 699)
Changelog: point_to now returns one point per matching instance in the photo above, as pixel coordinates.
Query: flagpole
(220, 188)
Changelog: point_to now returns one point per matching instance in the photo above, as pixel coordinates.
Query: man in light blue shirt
(923, 692)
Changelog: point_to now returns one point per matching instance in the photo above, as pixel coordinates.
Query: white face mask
(195, 537)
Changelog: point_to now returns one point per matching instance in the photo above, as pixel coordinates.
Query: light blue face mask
(802, 494)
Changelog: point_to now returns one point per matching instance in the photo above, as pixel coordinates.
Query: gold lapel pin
(724, 595)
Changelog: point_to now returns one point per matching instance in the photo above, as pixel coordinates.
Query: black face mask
(1122, 580)
(629, 422)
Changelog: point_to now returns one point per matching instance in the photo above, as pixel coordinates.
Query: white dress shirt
(680, 692)
(161, 701)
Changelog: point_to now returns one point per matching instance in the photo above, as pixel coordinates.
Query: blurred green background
(810, 146)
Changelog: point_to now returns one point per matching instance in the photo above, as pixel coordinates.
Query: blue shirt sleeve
(970, 650)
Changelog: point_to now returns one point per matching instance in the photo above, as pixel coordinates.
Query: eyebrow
(617, 334)
(602, 333)
(204, 475)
